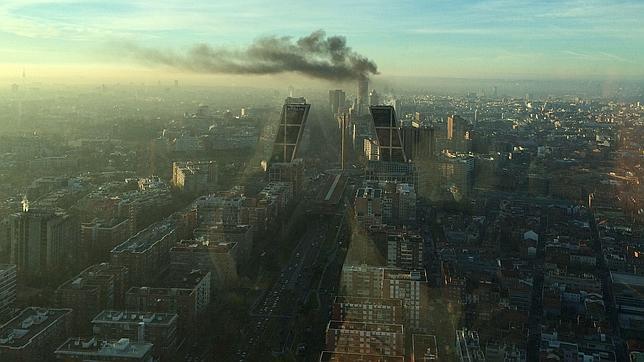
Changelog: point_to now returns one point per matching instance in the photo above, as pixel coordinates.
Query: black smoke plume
(314, 55)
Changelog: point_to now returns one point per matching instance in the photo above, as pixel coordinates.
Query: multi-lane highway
(272, 315)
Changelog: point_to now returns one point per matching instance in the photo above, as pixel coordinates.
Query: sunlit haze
(322, 181)
(468, 39)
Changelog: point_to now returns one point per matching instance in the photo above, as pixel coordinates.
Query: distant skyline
(478, 39)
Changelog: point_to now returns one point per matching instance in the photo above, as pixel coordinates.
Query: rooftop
(182, 279)
(146, 238)
(230, 228)
(160, 292)
(19, 331)
(627, 279)
(205, 246)
(331, 356)
(122, 348)
(364, 326)
(368, 301)
(125, 317)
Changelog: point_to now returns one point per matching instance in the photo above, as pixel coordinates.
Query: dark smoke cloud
(314, 55)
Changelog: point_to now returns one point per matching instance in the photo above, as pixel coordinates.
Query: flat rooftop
(22, 329)
(103, 348)
(364, 326)
(146, 238)
(418, 275)
(206, 246)
(403, 236)
(125, 317)
(159, 292)
(227, 228)
(181, 279)
(331, 356)
(627, 279)
(390, 302)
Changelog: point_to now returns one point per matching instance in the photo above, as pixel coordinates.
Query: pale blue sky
(455, 38)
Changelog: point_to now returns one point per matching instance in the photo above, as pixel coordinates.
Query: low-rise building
(94, 349)
(34, 334)
(187, 295)
(160, 329)
(100, 286)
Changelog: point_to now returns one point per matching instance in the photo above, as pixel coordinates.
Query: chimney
(141, 332)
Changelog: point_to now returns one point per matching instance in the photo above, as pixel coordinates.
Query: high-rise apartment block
(368, 206)
(219, 258)
(195, 176)
(42, 240)
(366, 309)
(186, 294)
(364, 338)
(98, 237)
(405, 251)
(100, 286)
(389, 283)
(146, 254)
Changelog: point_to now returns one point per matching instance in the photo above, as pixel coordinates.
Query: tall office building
(41, 240)
(337, 99)
(419, 143)
(457, 133)
(291, 127)
(363, 95)
(7, 288)
(374, 98)
(387, 132)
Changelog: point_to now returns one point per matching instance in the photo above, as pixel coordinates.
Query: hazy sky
(461, 38)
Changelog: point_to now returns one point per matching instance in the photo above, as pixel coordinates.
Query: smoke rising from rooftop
(314, 55)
